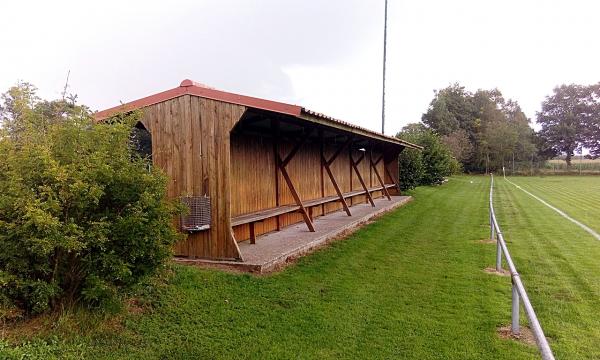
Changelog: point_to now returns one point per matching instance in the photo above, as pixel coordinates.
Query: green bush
(411, 168)
(426, 167)
(81, 216)
(437, 160)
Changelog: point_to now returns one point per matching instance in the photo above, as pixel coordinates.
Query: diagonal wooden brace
(394, 179)
(360, 178)
(374, 166)
(290, 185)
(295, 149)
(281, 164)
(326, 165)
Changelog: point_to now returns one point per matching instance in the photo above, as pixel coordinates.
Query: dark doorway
(141, 141)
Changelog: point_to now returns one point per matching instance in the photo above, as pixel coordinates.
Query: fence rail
(519, 295)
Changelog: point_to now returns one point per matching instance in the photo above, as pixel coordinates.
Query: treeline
(483, 131)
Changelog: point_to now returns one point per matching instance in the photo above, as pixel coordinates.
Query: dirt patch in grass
(492, 270)
(66, 324)
(487, 241)
(525, 337)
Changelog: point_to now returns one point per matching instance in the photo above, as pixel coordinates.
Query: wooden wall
(254, 183)
(190, 142)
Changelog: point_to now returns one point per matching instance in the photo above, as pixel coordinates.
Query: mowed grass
(578, 196)
(558, 261)
(409, 286)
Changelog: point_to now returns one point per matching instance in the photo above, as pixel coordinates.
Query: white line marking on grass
(562, 213)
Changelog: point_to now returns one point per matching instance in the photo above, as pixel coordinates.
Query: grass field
(557, 260)
(579, 197)
(409, 286)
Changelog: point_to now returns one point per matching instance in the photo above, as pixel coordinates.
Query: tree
(565, 119)
(16, 111)
(451, 109)
(81, 215)
(593, 124)
(429, 166)
(482, 129)
(459, 144)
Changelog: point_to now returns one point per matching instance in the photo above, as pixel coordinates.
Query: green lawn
(557, 260)
(578, 196)
(410, 286)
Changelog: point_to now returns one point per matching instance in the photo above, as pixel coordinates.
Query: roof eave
(341, 125)
(188, 87)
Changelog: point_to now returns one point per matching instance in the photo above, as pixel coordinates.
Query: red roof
(189, 87)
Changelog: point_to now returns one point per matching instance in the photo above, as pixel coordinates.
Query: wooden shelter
(250, 166)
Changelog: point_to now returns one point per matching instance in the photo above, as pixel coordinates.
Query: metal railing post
(493, 235)
(515, 311)
(492, 230)
(498, 257)
(518, 289)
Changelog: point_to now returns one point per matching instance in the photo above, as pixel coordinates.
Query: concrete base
(275, 250)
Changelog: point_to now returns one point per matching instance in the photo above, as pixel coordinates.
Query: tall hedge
(81, 215)
(428, 166)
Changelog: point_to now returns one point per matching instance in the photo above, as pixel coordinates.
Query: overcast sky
(324, 55)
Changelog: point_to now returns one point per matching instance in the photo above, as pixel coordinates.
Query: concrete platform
(275, 250)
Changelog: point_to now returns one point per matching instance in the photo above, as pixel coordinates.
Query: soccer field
(557, 259)
(579, 197)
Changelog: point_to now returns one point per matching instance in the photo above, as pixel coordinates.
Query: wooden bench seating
(263, 214)
(257, 216)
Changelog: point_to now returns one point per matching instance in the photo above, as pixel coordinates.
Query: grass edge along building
(248, 166)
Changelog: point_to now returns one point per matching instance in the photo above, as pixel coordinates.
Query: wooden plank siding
(193, 143)
(190, 142)
(254, 185)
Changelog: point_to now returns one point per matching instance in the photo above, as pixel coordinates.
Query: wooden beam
(370, 168)
(290, 185)
(350, 172)
(360, 178)
(321, 151)
(252, 233)
(275, 129)
(337, 188)
(395, 179)
(374, 167)
(296, 148)
(378, 160)
(339, 151)
(281, 164)
(326, 165)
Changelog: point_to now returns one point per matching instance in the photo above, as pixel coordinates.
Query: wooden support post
(326, 164)
(252, 234)
(321, 149)
(360, 178)
(290, 185)
(370, 168)
(394, 178)
(374, 167)
(275, 128)
(351, 200)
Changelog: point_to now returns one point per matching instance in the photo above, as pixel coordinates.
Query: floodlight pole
(384, 56)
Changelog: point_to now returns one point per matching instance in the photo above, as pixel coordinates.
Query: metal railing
(518, 290)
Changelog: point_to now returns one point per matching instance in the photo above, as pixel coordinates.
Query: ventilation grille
(198, 217)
